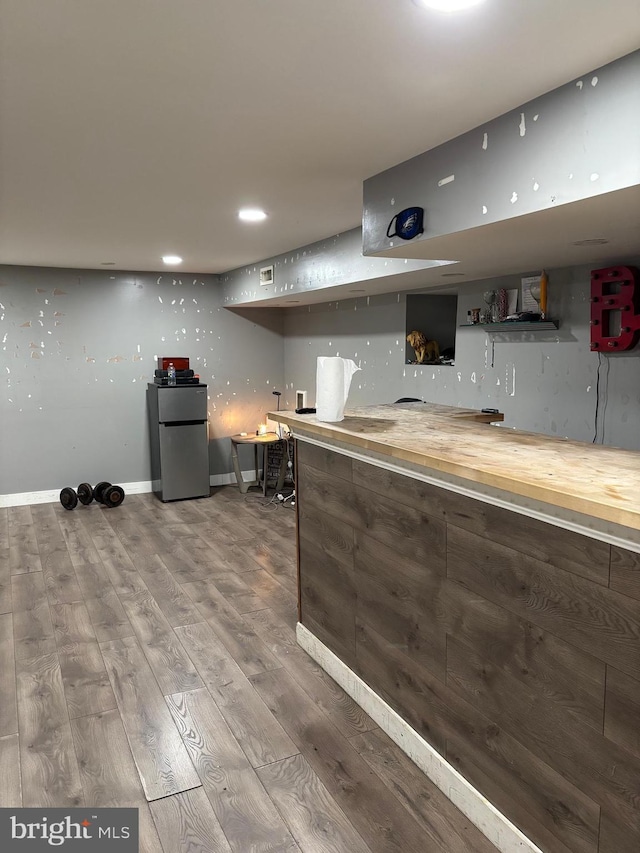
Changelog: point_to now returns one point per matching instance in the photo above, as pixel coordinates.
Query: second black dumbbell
(108, 495)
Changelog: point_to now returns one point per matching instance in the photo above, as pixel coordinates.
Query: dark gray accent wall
(545, 382)
(78, 348)
(576, 142)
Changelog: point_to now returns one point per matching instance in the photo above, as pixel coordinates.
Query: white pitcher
(333, 380)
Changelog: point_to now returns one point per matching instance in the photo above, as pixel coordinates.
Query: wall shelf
(515, 326)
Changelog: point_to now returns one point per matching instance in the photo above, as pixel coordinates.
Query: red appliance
(178, 362)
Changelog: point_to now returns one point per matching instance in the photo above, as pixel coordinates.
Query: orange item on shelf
(544, 281)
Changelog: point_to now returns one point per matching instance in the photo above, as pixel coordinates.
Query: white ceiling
(134, 128)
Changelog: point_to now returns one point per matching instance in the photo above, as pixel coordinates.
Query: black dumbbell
(99, 489)
(68, 498)
(85, 493)
(110, 496)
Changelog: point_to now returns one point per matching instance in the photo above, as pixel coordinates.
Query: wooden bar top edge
(597, 481)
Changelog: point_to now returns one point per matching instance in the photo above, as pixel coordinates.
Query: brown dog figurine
(426, 351)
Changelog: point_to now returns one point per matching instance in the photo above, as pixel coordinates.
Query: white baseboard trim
(52, 495)
(492, 823)
(230, 478)
(141, 488)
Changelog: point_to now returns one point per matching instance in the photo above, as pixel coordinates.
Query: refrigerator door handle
(180, 423)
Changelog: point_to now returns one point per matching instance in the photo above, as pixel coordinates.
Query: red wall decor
(615, 295)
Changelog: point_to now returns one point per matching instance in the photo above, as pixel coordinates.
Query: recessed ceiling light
(594, 241)
(447, 5)
(252, 214)
(171, 260)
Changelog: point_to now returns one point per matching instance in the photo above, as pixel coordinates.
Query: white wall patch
(522, 126)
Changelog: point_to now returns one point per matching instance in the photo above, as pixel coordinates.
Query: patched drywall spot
(90, 360)
(40, 290)
(58, 292)
(26, 325)
(514, 197)
(536, 117)
(484, 209)
(448, 180)
(579, 84)
(522, 126)
(594, 81)
(116, 359)
(536, 186)
(594, 177)
(485, 141)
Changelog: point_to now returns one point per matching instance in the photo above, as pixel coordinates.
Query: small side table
(258, 441)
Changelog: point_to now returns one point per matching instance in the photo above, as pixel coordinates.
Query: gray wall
(78, 348)
(543, 382)
(573, 143)
(338, 260)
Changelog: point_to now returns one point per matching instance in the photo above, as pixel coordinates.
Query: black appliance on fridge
(179, 441)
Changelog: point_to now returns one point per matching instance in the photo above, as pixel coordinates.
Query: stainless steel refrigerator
(179, 441)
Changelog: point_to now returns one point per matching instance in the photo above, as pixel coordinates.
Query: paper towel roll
(333, 379)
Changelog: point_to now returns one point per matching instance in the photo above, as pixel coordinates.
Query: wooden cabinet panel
(622, 717)
(604, 772)
(317, 489)
(625, 572)
(399, 599)
(571, 551)
(327, 594)
(510, 644)
(598, 620)
(550, 666)
(408, 687)
(327, 533)
(328, 461)
(553, 806)
(550, 811)
(412, 533)
(617, 837)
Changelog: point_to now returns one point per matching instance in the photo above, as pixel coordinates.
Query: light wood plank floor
(148, 659)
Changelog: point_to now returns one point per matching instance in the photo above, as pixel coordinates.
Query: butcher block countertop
(601, 482)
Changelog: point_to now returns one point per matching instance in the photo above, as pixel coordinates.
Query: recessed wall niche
(434, 316)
